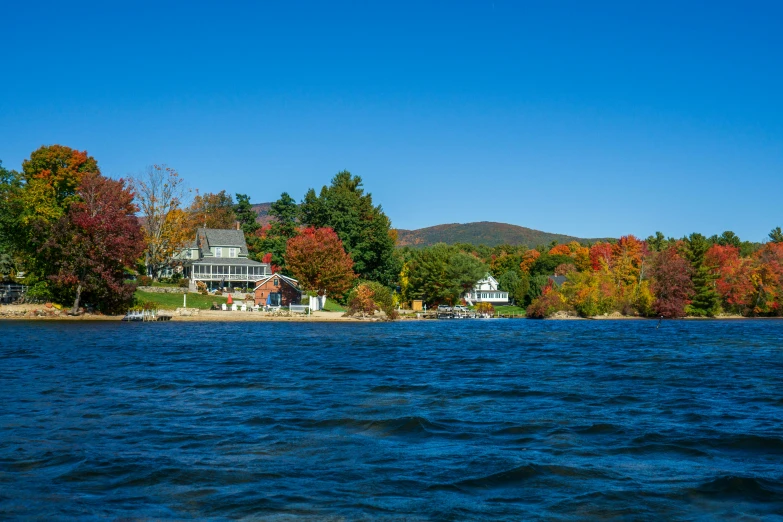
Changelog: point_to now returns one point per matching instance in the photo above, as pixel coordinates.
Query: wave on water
(520, 474)
(735, 488)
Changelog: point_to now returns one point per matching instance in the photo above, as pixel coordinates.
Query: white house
(486, 291)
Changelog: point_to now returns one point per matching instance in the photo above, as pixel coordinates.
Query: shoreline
(28, 313)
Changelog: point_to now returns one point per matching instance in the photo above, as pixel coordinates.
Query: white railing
(299, 309)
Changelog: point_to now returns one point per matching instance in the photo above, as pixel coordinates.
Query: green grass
(172, 301)
(508, 309)
(332, 306)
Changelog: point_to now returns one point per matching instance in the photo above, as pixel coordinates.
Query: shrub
(145, 280)
(201, 286)
(550, 302)
(369, 297)
(184, 283)
(485, 308)
(218, 292)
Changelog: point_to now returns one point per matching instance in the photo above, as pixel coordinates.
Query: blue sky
(585, 118)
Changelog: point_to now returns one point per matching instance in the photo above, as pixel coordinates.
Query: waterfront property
(277, 290)
(486, 291)
(218, 258)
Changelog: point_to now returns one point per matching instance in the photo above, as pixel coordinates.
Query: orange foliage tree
(316, 258)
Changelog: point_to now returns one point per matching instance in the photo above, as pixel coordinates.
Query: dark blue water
(448, 420)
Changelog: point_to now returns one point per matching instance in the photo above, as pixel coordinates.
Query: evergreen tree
(363, 227)
(705, 298)
(776, 235)
(246, 215)
(284, 227)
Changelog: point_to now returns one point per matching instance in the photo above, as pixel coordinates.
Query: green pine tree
(705, 299)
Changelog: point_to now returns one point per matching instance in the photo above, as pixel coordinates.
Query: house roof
(290, 281)
(217, 237)
(228, 261)
(558, 279)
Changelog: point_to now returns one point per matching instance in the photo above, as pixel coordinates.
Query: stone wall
(162, 289)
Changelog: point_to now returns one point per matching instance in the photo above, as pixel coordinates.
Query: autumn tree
(316, 258)
(733, 276)
(671, 283)
(51, 176)
(362, 226)
(601, 256)
(369, 297)
(768, 279)
(167, 229)
(88, 248)
(212, 210)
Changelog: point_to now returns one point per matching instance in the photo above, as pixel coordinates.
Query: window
(277, 282)
(232, 252)
(218, 252)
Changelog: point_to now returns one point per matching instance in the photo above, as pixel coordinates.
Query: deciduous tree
(90, 247)
(316, 258)
(671, 283)
(159, 193)
(212, 210)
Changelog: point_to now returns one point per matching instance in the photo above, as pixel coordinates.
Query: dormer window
(218, 252)
(232, 252)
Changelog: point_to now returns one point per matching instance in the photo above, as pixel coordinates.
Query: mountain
(262, 209)
(482, 233)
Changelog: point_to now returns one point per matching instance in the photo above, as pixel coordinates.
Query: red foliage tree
(768, 276)
(316, 258)
(734, 282)
(601, 256)
(89, 247)
(671, 283)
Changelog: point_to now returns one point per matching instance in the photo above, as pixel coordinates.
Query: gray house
(219, 258)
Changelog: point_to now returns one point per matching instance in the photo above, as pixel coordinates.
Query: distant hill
(482, 233)
(262, 209)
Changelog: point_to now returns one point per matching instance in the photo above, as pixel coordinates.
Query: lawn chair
(223, 307)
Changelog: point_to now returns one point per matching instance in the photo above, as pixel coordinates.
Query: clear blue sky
(584, 118)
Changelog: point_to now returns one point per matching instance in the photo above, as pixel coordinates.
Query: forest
(73, 235)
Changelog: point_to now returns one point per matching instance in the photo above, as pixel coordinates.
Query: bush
(485, 308)
(145, 280)
(218, 292)
(369, 297)
(549, 303)
(184, 283)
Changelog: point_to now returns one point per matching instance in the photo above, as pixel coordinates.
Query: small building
(218, 257)
(277, 290)
(486, 291)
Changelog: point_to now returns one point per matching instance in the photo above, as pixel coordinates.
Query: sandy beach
(41, 313)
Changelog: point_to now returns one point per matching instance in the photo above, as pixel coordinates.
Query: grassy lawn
(172, 301)
(508, 309)
(332, 306)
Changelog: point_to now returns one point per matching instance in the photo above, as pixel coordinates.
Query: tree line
(77, 235)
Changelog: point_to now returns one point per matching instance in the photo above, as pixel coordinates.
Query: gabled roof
(217, 237)
(290, 281)
(558, 279)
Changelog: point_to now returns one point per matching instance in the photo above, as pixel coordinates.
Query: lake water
(440, 420)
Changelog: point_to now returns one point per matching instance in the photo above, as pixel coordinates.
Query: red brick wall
(290, 295)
